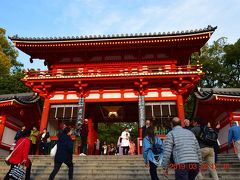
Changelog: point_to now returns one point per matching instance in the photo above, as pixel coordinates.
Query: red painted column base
(139, 141)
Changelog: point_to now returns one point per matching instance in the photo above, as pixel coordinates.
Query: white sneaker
(82, 154)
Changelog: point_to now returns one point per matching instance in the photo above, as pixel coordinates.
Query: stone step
(115, 168)
(106, 169)
(117, 160)
(63, 176)
(112, 156)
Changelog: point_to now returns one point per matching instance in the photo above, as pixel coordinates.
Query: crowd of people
(184, 149)
(39, 141)
(124, 146)
(26, 143)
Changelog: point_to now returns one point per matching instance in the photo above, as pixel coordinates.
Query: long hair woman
(152, 152)
(20, 154)
(64, 154)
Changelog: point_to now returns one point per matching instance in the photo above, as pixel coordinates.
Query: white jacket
(125, 139)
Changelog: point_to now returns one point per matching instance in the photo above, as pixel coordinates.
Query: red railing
(105, 71)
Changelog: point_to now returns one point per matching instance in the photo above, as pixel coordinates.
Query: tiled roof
(25, 98)
(114, 36)
(207, 93)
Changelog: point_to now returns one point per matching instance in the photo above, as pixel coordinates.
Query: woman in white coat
(125, 141)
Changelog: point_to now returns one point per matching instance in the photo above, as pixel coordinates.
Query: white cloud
(104, 17)
(84, 17)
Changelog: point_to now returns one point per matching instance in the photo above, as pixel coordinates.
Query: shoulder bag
(53, 151)
(17, 172)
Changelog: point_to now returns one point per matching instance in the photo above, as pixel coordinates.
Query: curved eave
(168, 41)
(204, 95)
(12, 102)
(113, 37)
(8, 101)
(227, 98)
(210, 96)
(32, 101)
(37, 49)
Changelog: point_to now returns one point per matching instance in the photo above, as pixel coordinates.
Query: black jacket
(44, 139)
(64, 148)
(84, 130)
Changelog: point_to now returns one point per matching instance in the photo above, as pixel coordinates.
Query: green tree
(8, 54)
(11, 71)
(232, 64)
(110, 132)
(11, 83)
(221, 65)
(212, 60)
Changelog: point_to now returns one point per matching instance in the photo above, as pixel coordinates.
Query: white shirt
(125, 139)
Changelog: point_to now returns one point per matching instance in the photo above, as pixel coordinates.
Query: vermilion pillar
(44, 119)
(90, 140)
(2, 125)
(180, 108)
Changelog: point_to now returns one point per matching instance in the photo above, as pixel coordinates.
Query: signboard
(141, 110)
(80, 116)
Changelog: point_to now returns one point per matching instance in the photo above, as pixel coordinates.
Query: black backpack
(156, 148)
(208, 136)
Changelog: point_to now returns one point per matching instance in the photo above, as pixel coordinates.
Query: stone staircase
(116, 168)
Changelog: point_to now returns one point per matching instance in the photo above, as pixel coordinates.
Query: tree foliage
(110, 132)
(221, 64)
(11, 70)
(211, 59)
(232, 64)
(8, 54)
(11, 83)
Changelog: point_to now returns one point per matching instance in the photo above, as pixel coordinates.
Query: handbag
(17, 172)
(9, 156)
(53, 151)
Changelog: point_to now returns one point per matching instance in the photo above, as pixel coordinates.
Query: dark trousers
(153, 171)
(43, 148)
(57, 166)
(27, 175)
(187, 171)
(125, 150)
(84, 145)
(33, 149)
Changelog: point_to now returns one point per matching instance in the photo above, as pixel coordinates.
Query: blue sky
(53, 18)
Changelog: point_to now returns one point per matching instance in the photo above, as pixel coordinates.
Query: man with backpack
(206, 137)
(183, 146)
